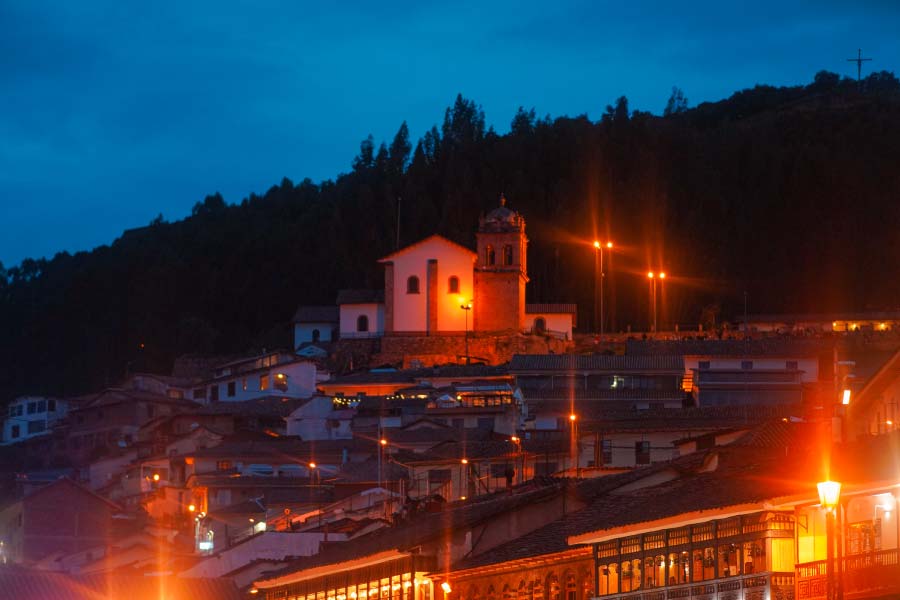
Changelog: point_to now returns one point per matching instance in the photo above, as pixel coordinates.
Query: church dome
(502, 219)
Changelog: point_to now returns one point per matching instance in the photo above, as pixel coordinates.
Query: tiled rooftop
(595, 362)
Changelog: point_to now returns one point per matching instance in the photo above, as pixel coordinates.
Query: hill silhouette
(788, 194)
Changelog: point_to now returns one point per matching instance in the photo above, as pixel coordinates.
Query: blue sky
(113, 112)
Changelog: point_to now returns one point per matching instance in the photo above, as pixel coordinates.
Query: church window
(315, 335)
(507, 255)
(540, 325)
(490, 257)
(412, 285)
(362, 323)
(453, 285)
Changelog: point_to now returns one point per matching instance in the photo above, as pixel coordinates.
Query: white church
(437, 287)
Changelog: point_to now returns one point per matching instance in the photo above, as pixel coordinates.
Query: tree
(366, 158)
(523, 122)
(677, 103)
(463, 123)
(618, 113)
(399, 150)
(210, 205)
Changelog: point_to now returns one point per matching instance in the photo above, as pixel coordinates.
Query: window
(362, 323)
(490, 257)
(42, 406)
(540, 325)
(231, 389)
(790, 365)
(607, 452)
(507, 255)
(412, 285)
(214, 393)
(316, 335)
(703, 364)
(14, 432)
(32, 408)
(223, 465)
(746, 364)
(642, 453)
(453, 285)
(244, 384)
(281, 382)
(263, 382)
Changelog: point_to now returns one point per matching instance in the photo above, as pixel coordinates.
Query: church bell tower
(500, 271)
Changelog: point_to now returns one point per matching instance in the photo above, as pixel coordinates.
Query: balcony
(873, 574)
(758, 586)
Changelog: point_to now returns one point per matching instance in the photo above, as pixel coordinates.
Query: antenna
(859, 60)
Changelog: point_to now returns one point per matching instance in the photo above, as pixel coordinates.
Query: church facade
(436, 290)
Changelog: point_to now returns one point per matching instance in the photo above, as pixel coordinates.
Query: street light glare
(596, 244)
(650, 274)
(662, 275)
(609, 244)
(572, 417)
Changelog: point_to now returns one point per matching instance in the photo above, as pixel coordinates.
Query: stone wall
(492, 349)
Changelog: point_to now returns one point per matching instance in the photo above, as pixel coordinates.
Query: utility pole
(859, 60)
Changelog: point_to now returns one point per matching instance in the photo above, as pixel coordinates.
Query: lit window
(263, 382)
(453, 285)
(412, 285)
(281, 382)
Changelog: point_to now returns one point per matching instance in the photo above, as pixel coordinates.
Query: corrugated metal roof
(595, 362)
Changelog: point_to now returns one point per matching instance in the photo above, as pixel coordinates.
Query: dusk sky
(113, 112)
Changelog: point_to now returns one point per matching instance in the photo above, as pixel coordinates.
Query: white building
(315, 324)
(361, 313)
(318, 420)
(271, 374)
(31, 416)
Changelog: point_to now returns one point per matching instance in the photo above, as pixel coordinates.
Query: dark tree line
(788, 194)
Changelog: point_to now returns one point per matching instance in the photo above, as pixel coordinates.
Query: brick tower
(500, 271)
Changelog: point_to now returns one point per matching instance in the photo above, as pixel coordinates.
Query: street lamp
(830, 497)
(662, 295)
(467, 306)
(598, 282)
(651, 276)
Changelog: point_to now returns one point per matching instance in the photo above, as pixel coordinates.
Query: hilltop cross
(859, 60)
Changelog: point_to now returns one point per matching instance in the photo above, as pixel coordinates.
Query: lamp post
(518, 442)
(467, 306)
(830, 496)
(662, 295)
(598, 282)
(573, 420)
(651, 277)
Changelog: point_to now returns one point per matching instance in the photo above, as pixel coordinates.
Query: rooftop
(596, 362)
(316, 314)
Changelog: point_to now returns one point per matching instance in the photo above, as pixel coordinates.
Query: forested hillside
(790, 194)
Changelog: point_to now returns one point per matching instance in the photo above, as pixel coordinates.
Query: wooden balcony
(870, 575)
(758, 586)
